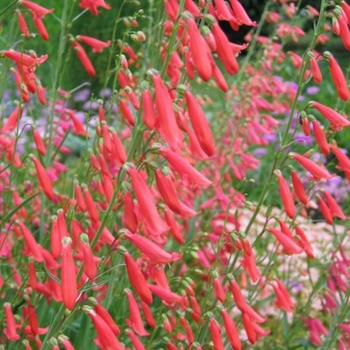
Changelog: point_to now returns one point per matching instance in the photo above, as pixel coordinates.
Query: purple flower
(270, 137)
(312, 90)
(260, 152)
(302, 139)
(105, 93)
(82, 95)
(91, 105)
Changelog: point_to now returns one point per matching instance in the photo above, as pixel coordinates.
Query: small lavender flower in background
(300, 138)
(91, 105)
(270, 137)
(260, 152)
(105, 93)
(82, 95)
(312, 90)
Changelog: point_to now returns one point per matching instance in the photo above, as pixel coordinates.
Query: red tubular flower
(286, 195)
(321, 138)
(56, 240)
(152, 250)
(130, 220)
(289, 246)
(23, 59)
(167, 190)
(283, 301)
(305, 126)
(337, 121)
(84, 59)
(10, 330)
(165, 294)
(224, 50)
(93, 5)
(137, 279)
(196, 309)
(43, 177)
(187, 328)
(200, 124)
(231, 330)
(69, 287)
(183, 168)
(153, 222)
(89, 263)
(36, 9)
(192, 8)
(338, 77)
(241, 13)
(237, 296)
(126, 112)
(166, 125)
(13, 119)
(23, 25)
(104, 332)
(39, 142)
(304, 243)
(79, 197)
(200, 51)
(40, 26)
(90, 205)
(135, 340)
(316, 171)
(315, 70)
(333, 206)
(32, 275)
(285, 229)
(344, 31)
(249, 264)
(249, 328)
(135, 320)
(97, 45)
(346, 9)
(215, 332)
(118, 150)
(174, 227)
(104, 314)
(219, 290)
(299, 188)
(148, 315)
(325, 211)
(31, 243)
(343, 160)
(220, 79)
(148, 114)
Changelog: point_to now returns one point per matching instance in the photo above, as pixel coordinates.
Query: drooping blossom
(97, 45)
(286, 195)
(93, 5)
(84, 59)
(135, 320)
(37, 10)
(315, 170)
(68, 275)
(338, 77)
(148, 210)
(337, 121)
(200, 124)
(137, 279)
(183, 168)
(151, 250)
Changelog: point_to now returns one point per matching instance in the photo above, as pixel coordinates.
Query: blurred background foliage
(99, 27)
